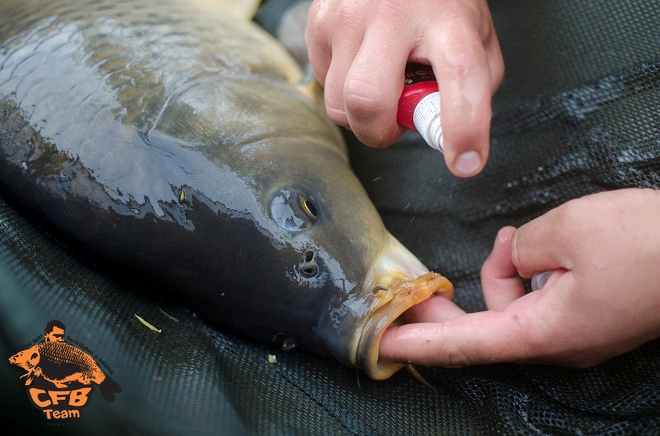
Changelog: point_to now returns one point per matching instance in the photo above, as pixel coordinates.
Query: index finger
(471, 339)
(374, 83)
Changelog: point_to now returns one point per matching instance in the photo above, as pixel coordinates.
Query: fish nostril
(378, 289)
(309, 271)
(308, 267)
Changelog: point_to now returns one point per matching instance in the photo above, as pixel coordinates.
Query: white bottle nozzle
(426, 118)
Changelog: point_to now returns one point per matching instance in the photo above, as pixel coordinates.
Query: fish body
(61, 364)
(173, 139)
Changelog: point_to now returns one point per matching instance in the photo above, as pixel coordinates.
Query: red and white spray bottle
(419, 105)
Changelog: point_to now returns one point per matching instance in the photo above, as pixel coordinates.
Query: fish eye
(293, 210)
(308, 207)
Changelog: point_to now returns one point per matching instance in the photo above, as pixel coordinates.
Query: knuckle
(496, 71)
(350, 15)
(468, 31)
(461, 57)
(572, 210)
(363, 97)
(454, 357)
(518, 245)
(575, 217)
(337, 115)
(452, 353)
(391, 10)
(477, 15)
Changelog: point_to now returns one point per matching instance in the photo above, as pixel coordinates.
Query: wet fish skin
(110, 109)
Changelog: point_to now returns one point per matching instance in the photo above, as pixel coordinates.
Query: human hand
(359, 50)
(602, 300)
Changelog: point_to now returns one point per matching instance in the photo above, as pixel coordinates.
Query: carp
(61, 363)
(177, 141)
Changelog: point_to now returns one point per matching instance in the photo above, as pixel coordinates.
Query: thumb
(499, 277)
(539, 246)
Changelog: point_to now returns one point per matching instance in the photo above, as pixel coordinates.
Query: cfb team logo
(60, 377)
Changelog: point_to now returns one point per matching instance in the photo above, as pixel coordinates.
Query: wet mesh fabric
(577, 113)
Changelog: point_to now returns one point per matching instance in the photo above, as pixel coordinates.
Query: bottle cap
(427, 120)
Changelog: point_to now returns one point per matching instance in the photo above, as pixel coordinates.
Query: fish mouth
(390, 303)
(352, 326)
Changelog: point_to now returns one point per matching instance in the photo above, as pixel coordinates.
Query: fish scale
(60, 359)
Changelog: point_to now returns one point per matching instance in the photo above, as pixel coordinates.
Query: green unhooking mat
(577, 113)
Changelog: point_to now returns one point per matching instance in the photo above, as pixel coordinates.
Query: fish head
(27, 359)
(319, 268)
(340, 259)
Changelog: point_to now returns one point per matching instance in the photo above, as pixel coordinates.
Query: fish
(181, 145)
(61, 364)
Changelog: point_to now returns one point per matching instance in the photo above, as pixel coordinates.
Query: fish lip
(368, 344)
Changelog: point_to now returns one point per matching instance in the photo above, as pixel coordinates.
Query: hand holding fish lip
(390, 304)
(591, 309)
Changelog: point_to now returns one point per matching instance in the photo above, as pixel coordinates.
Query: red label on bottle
(416, 73)
(419, 82)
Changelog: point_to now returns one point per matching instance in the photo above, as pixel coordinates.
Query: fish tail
(109, 388)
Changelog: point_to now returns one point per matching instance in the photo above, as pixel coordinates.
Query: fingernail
(468, 162)
(500, 238)
(540, 279)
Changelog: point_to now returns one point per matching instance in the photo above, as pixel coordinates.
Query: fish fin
(109, 388)
(242, 8)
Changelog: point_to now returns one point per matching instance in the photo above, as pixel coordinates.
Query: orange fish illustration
(61, 363)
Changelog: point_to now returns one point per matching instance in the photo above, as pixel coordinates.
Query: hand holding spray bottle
(419, 105)
(419, 109)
